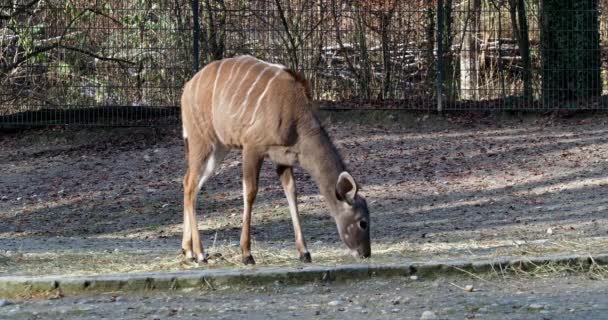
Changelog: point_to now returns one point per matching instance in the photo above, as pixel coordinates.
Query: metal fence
(90, 62)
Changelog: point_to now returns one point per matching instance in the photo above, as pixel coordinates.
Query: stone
(536, 306)
(335, 303)
(414, 278)
(469, 288)
(4, 302)
(428, 315)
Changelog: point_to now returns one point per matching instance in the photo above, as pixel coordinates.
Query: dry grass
(226, 255)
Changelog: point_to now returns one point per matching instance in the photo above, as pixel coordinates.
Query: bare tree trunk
(519, 22)
(429, 56)
(449, 69)
(469, 63)
(365, 74)
(214, 35)
(291, 41)
(385, 23)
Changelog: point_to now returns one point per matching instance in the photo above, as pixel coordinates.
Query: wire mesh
(114, 63)
(93, 62)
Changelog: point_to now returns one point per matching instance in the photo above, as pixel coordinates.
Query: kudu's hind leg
(201, 166)
(252, 162)
(289, 186)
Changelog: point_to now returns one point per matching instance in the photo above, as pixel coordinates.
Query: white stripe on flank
(234, 94)
(244, 104)
(230, 75)
(217, 75)
(227, 83)
(219, 70)
(257, 105)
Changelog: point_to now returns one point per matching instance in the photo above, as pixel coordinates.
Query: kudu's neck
(321, 160)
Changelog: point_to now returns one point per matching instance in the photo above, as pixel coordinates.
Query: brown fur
(302, 80)
(265, 110)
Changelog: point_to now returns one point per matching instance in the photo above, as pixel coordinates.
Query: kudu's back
(245, 101)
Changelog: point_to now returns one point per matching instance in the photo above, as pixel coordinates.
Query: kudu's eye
(363, 224)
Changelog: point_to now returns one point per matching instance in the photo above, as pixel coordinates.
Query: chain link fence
(113, 63)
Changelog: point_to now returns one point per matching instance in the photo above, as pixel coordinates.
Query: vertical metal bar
(439, 55)
(195, 35)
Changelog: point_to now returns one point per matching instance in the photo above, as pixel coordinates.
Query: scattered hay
(284, 254)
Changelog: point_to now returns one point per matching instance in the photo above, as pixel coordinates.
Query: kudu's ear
(346, 188)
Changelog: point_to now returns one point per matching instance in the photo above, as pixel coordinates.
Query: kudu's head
(352, 216)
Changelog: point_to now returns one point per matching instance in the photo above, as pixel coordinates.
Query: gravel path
(435, 186)
(561, 297)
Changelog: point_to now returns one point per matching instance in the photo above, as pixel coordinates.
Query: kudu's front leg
(252, 162)
(289, 186)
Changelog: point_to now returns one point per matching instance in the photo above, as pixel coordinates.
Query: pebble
(360, 309)
(536, 306)
(395, 310)
(468, 288)
(428, 315)
(414, 278)
(4, 302)
(335, 303)
(549, 231)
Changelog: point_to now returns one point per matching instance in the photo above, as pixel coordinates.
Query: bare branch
(42, 49)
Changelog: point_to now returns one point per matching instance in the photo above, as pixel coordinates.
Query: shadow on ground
(427, 180)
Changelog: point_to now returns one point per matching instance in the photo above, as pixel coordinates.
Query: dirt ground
(109, 200)
(535, 298)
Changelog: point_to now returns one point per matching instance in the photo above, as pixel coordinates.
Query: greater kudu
(265, 110)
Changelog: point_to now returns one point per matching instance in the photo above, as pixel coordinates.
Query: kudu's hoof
(305, 257)
(202, 258)
(188, 256)
(248, 260)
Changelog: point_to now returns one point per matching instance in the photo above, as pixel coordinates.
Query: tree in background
(570, 49)
(213, 37)
(469, 60)
(519, 23)
(449, 71)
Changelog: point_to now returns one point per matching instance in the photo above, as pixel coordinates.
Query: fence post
(195, 35)
(439, 55)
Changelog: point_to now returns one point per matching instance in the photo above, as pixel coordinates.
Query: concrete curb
(24, 286)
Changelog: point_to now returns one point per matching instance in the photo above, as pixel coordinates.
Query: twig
(473, 275)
